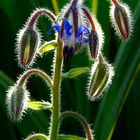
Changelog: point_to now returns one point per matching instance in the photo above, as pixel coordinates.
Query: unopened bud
(28, 42)
(94, 44)
(96, 36)
(120, 15)
(17, 98)
(101, 77)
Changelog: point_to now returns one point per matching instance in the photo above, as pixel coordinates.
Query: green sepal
(75, 72)
(70, 137)
(48, 46)
(36, 105)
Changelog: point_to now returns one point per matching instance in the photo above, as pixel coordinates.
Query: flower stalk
(30, 72)
(82, 120)
(36, 15)
(56, 92)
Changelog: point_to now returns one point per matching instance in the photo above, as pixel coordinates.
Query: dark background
(115, 116)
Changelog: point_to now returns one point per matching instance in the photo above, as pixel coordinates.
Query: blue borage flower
(72, 30)
(74, 33)
(68, 30)
(68, 38)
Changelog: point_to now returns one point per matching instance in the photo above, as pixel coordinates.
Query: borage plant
(76, 27)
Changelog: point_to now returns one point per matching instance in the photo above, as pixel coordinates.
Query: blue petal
(68, 33)
(83, 29)
(67, 27)
(85, 40)
(56, 27)
(67, 24)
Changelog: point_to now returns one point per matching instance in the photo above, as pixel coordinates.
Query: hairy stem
(30, 72)
(56, 92)
(115, 2)
(88, 15)
(39, 12)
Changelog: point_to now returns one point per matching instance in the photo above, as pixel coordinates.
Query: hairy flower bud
(120, 15)
(96, 36)
(28, 41)
(17, 98)
(94, 44)
(101, 77)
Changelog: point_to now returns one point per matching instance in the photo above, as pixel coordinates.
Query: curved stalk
(82, 120)
(115, 2)
(39, 12)
(87, 14)
(30, 72)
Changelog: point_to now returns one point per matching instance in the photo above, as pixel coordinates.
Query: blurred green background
(115, 117)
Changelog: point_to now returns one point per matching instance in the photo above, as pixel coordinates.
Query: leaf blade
(75, 72)
(36, 105)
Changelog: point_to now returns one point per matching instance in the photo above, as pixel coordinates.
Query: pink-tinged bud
(96, 36)
(101, 77)
(122, 21)
(94, 44)
(28, 42)
(17, 98)
(120, 15)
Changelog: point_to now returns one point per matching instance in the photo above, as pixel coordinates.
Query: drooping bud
(28, 39)
(96, 36)
(101, 77)
(28, 43)
(17, 98)
(121, 19)
(94, 44)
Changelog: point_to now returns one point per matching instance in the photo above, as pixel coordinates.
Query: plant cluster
(76, 27)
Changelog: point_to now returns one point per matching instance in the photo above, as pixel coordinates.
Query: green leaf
(127, 68)
(70, 137)
(75, 72)
(36, 105)
(48, 46)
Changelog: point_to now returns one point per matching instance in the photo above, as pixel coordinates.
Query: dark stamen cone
(28, 44)
(67, 53)
(101, 77)
(94, 44)
(122, 21)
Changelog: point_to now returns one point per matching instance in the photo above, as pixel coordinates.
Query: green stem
(37, 136)
(56, 92)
